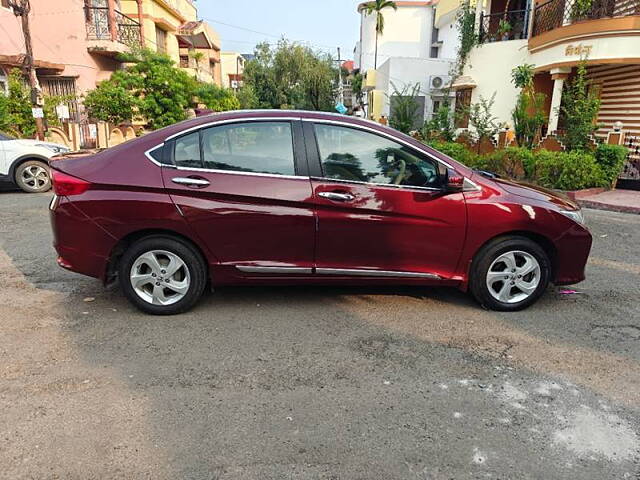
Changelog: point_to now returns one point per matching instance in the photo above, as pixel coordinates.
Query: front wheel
(33, 176)
(162, 275)
(509, 274)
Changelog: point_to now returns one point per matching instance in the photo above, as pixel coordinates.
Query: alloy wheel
(35, 177)
(513, 277)
(160, 277)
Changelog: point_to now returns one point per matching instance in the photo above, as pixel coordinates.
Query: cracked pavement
(316, 383)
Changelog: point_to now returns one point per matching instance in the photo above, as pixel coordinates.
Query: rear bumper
(573, 250)
(82, 246)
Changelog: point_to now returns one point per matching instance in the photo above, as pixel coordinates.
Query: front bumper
(572, 254)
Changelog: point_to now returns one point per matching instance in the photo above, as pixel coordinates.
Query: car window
(187, 151)
(4, 136)
(260, 147)
(351, 154)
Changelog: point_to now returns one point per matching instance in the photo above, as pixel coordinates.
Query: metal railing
(502, 26)
(99, 26)
(556, 13)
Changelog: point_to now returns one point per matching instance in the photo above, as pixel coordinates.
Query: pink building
(68, 60)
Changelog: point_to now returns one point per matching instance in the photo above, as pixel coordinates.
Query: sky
(322, 24)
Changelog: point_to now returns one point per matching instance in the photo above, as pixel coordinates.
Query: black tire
(187, 253)
(31, 183)
(488, 254)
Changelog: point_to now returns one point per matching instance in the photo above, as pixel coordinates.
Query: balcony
(560, 13)
(109, 35)
(503, 26)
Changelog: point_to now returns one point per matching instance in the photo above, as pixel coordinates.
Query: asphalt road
(316, 383)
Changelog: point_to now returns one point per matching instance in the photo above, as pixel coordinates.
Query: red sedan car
(285, 197)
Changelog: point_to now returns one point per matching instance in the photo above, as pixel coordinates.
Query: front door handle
(337, 197)
(191, 182)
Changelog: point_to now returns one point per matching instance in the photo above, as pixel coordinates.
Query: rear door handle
(191, 182)
(337, 197)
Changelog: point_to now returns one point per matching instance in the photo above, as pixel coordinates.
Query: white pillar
(559, 75)
(479, 5)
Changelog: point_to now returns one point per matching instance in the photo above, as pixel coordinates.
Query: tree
(290, 76)
(579, 111)
(217, 98)
(111, 102)
(15, 109)
(528, 115)
(152, 86)
(376, 7)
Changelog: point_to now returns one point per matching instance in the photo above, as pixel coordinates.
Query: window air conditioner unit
(438, 82)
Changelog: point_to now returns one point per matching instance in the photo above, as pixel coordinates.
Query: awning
(197, 35)
(18, 61)
(465, 81)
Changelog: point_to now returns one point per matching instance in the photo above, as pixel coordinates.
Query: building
(77, 47)
(555, 36)
(172, 27)
(410, 51)
(232, 69)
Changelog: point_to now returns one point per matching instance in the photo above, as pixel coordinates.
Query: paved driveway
(316, 383)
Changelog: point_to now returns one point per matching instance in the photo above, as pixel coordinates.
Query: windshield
(4, 136)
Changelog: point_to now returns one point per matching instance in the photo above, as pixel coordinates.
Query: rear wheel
(33, 176)
(509, 274)
(162, 275)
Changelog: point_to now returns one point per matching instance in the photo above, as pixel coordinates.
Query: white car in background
(26, 162)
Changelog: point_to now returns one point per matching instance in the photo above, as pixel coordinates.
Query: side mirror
(453, 181)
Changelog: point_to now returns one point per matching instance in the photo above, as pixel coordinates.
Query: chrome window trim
(359, 272)
(231, 120)
(233, 172)
(275, 270)
(214, 123)
(153, 160)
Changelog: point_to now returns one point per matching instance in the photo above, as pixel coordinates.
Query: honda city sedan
(294, 198)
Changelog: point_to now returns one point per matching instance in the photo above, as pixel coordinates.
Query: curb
(608, 207)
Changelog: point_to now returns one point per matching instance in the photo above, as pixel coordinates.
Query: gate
(630, 176)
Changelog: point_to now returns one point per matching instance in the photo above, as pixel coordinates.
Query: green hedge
(611, 159)
(559, 170)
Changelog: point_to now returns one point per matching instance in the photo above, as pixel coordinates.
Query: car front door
(244, 189)
(381, 206)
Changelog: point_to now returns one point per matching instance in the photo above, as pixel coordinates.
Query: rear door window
(186, 151)
(253, 147)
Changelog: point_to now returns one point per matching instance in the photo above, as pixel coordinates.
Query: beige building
(172, 27)
(232, 69)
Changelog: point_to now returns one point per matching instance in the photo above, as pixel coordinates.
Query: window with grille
(161, 40)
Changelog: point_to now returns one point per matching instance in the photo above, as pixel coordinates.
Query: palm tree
(377, 6)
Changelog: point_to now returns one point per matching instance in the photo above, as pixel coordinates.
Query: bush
(611, 159)
(567, 170)
(512, 162)
(459, 152)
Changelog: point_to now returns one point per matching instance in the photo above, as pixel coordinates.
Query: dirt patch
(484, 333)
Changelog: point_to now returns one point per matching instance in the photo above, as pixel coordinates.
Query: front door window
(355, 155)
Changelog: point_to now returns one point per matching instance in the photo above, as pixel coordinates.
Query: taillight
(66, 185)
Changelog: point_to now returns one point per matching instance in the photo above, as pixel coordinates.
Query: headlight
(53, 148)
(575, 215)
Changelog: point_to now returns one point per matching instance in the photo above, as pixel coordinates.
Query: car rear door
(244, 189)
(381, 206)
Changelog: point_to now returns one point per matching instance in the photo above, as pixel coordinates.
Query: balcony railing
(556, 13)
(501, 26)
(99, 26)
